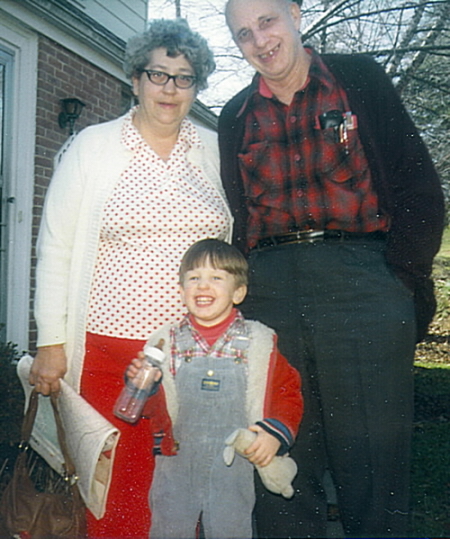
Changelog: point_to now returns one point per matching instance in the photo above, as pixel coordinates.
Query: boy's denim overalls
(211, 387)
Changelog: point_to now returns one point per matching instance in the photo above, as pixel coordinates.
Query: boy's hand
(135, 366)
(264, 448)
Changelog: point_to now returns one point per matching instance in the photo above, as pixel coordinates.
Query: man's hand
(49, 366)
(264, 448)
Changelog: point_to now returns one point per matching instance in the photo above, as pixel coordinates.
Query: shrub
(13, 399)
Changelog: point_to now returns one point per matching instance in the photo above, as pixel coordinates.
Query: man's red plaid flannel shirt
(299, 176)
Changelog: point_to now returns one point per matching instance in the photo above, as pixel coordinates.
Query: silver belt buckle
(312, 236)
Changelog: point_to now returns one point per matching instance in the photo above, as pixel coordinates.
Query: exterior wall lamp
(71, 110)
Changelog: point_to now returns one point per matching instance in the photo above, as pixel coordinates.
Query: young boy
(221, 373)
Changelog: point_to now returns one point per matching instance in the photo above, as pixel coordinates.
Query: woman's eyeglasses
(160, 78)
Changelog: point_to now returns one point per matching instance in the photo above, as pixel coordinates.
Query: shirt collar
(189, 135)
(236, 319)
(133, 140)
(131, 137)
(318, 71)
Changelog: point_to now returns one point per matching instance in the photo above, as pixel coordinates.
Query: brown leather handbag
(27, 511)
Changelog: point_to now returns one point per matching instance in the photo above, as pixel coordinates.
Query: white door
(18, 72)
(6, 66)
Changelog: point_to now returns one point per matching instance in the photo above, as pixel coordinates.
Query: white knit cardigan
(68, 239)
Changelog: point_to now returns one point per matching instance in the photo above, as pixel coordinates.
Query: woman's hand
(49, 366)
(264, 448)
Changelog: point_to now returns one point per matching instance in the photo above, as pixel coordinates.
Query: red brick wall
(62, 74)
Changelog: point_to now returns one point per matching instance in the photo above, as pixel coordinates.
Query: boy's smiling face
(209, 294)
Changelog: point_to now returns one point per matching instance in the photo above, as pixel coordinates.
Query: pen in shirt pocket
(340, 122)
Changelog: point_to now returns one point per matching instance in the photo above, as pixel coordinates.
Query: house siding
(122, 18)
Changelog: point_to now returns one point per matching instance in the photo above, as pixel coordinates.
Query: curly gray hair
(176, 36)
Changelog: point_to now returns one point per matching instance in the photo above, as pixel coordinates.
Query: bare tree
(438, 24)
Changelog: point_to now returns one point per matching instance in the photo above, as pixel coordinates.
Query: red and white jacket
(273, 390)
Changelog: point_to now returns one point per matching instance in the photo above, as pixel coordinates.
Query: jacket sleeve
(68, 235)
(404, 176)
(231, 132)
(207, 158)
(155, 410)
(55, 246)
(283, 406)
(417, 206)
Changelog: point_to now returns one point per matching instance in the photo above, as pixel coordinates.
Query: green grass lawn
(430, 490)
(445, 247)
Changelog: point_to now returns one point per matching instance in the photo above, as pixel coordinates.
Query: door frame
(20, 132)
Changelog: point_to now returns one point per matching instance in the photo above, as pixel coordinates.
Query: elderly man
(337, 203)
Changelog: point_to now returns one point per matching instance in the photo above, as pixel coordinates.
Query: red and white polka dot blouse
(156, 211)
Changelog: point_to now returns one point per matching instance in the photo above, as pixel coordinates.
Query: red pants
(127, 511)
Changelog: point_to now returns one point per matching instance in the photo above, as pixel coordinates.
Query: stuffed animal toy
(276, 476)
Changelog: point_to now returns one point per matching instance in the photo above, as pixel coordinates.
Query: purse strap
(27, 427)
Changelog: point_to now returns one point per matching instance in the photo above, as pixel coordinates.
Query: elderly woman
(127, 199)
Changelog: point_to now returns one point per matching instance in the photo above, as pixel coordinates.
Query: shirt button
(293, 119)
(210, 373)
(300, 193)
(297, 157)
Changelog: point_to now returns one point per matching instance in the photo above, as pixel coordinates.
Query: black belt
(310, 236)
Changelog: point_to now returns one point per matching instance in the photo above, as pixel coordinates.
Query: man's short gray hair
(229, 2)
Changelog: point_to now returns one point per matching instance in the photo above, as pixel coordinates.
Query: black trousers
(347, 323)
